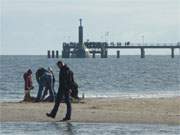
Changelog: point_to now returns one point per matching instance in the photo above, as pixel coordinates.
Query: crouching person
(45, 81)
(28, 86)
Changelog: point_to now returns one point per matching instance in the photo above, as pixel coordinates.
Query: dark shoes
(66, 119)
(50, 115)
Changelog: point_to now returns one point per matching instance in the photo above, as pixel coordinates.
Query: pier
(82, 49)
(102, 48)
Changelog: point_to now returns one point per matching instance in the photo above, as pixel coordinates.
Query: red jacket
(27, 81)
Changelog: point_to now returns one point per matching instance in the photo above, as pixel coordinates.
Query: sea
(124, 77)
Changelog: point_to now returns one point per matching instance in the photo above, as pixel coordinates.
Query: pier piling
(118, 54)
(106, 54)
(65, 54)
(49, 54)
(93, 54)
(57, 54)
(172, 52)
(142, 53)
(53, 54)
(103, 53)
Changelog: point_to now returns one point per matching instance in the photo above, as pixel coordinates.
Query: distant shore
(101, 110)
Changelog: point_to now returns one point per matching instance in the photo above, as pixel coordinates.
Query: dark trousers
(67, 100)
(52, 94)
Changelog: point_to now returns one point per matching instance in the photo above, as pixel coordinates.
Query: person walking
(63, 91)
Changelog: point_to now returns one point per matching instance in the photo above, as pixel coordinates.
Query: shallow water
(72, 128)
(128, 76)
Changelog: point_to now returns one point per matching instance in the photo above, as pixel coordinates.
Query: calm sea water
(86, 129)
(129, 76)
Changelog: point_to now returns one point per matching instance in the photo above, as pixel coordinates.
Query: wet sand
(102, 110)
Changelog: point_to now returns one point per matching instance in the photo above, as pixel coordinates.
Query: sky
(32, 27)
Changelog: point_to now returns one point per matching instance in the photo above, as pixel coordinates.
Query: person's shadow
(65, 128)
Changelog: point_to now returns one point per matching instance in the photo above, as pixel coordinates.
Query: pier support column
(142, 53)
(65, 54)
(103, 53)
(106, 54)
(49, 54)
(57, 54)
(94, 54)
(172, 52)
(118, 54)
(53, 54)
(66, 51)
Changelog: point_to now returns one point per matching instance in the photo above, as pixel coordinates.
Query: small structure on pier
(79, 50)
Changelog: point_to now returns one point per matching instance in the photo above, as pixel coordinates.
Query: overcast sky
(34, 26)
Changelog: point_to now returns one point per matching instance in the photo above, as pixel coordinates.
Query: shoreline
(99, 110)
(124, 97)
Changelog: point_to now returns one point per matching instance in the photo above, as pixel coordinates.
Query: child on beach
(28, 85)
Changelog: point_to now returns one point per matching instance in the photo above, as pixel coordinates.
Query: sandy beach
(102, 110)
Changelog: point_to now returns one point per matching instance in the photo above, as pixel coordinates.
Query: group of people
(45, 78)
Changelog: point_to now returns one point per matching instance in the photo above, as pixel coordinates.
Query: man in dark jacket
(63, 91)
